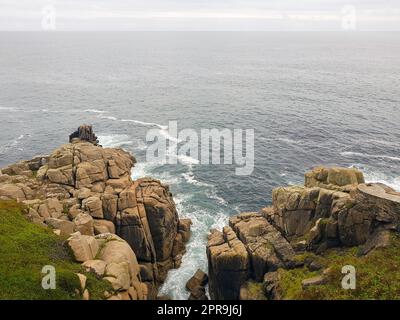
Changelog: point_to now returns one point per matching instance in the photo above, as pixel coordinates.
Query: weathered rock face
(82, 187)
(248, 249)
(228, 264)
(267, 248)
(335, 208)
(147, 219)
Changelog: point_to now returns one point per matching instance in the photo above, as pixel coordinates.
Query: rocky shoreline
(129, 234)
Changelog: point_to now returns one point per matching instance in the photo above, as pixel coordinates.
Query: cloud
(199, 14)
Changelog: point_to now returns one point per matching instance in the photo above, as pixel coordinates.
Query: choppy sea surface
(311, 98)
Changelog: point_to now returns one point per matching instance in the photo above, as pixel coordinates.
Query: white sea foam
(101, 116)
(372, 175)
(12, 144)
(94, 111)
(115, 140)
(7, 109)
(393, 182)
(189, 177)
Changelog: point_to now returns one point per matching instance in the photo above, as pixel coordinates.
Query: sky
(200, 15)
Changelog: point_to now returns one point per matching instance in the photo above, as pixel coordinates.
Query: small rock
(86, 295)
(315, 266)
(315, 281)
(103, 226)
(198, 293)
(84, 224)
(199, 279)
(83, 247)
(82, 280)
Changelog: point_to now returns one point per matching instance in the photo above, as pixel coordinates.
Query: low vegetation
(25, 248)
(377, 275)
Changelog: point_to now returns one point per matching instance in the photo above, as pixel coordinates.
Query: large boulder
(294, 209)
(11, 191)
(116, 251)
(334, 178)
(83, 247)
(374, 207)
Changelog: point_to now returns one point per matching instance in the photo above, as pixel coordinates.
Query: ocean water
(311, 98)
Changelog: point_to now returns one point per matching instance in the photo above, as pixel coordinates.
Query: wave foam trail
(364, 155)
(152, 124)
(114, 140)
(8, 109)
(101, 116)
(94, 111)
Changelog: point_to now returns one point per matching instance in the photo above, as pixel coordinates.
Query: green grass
(25, 248)
(255, 290)
(377, 276)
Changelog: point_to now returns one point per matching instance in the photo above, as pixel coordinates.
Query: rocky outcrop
(228, 264)
(84, 133)
(335, 208)
(87, 191)
(267, 248)
(335, 178)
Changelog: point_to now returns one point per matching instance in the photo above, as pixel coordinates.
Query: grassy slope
(377, 276)
(25, 248)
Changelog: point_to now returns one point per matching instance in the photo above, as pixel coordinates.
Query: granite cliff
(334, 212)
(126, 232)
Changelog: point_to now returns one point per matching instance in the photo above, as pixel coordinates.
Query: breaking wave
(194, 199)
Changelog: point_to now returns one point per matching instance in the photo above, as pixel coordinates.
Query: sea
(312, 98)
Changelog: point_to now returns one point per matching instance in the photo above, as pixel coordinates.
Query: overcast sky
(296, 15)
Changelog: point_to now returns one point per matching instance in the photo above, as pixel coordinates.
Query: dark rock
(379, 239)
(315, 266)
(199, 279)
(271, 285)
(198, 293)
(84, 133)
